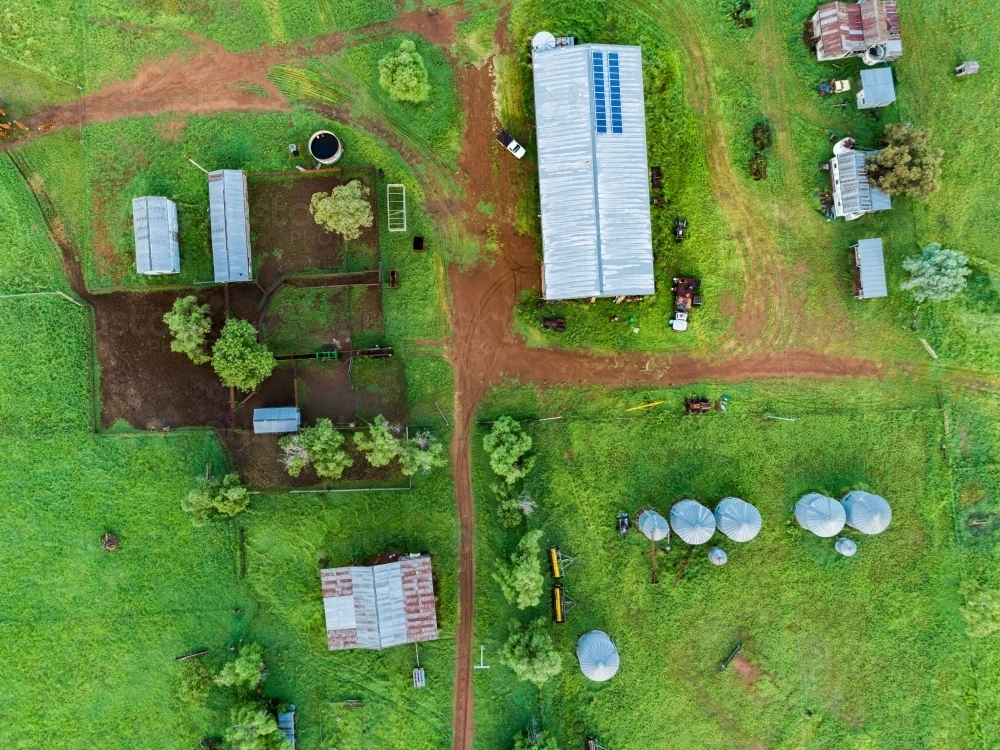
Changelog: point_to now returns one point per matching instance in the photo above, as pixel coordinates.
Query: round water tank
(543, 40)
(325, 147)
(874, 54)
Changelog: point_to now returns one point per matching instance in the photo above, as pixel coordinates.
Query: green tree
(908, 164)
(345, 210)
(508, 509)
(379, 445)
(254, 728)
(938, 274)
(981, 610)
(521, 579)
(530, 653)
(403, 76)
(421, 453)
(189, 323)
(245, 671)
(321, 446)
(195, 684)
(239, 359)
(507, 445)
(214, 497)
(531, 740)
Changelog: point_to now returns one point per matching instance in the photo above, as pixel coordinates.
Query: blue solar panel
(600, 98)
(616, 93)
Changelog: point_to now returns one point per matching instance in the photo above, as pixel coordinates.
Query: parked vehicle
(506, 140)
(680, 229)
(623, 524)
(828, 88)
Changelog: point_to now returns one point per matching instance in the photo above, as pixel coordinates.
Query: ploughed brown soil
(325, 391)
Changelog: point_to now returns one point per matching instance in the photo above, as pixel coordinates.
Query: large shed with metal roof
(230, 218)
(154, 224)
(877, 88)
(593, 177)
(853, 194)
(869, 269)
(868, 29)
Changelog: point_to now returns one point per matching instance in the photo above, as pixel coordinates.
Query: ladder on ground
(395, 200)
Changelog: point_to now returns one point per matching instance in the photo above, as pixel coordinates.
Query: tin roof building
(593, 180)
(276, 419)
(868, 29)
(154, 223)
(869, 269)
(853, 195)
(877, 88)
(380, 605)
(230, 213)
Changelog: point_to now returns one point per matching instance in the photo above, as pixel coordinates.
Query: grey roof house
(877, 88)
(593, 179)
(230, 214)
(853, 195)
(154, 223)
(276, 419)
(869, 269)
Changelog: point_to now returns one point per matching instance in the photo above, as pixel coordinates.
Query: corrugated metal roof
(853, 194)
(851, 28)
(154, 223)
(877, 88)
(871, 264)
(596, 228)
(227, 198)
(276, 419)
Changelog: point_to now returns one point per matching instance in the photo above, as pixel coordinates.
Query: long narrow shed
(154, 223)
(230, 213)
(276, 419)
(869, 269)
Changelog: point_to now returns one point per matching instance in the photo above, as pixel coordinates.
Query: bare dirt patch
(745, 669)
(325, 390)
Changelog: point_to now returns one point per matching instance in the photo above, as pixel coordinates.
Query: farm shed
(737, 519)
(868, 29)
(692, 522)
(276, 419)
(877, 89)
(381, 605)
(868, 513)
(599, 660)
(154, 223)
(286, 725)
(230, 214)
(869, 269)
(652, 524)
(590, 117)
(821, 515)
(853, 195)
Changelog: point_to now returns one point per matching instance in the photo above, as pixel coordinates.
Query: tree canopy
(239, 359)
(320, 445)
(530, 653)
(421, 453)
(212, 498)
(255, 728)
(521, 579)
(507, 445)
(245, 671)
(403, 75)
(379, 445)
(189, 323)
(908, 165)
(345, 210)
(529, 740)
(938, 274)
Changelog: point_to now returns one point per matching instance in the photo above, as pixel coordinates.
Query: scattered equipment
(558, 604)
(419, 678)
(737, 519)
(686, 297)
(657, 177)
(692, 522)
(418, 243)
(293, 150)
(623, 524)
(697, 405)
(729, 659)
(846, 547)
(506, 140)
(868, 513)
(325, 147)
(828, 88)
(717, 556)
(555, 324)
(395, 203)
(821, 515)
(557, 571)
(482, 659)
(394, 279)
(968, 68)
(680, 229)
(598, 656)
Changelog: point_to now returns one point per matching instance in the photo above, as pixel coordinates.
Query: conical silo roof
(692, 522)
(846, 547)
(868, 513)
(652, 524)
(598, 656)
(717, 556)
(737, 519)
(821, 515)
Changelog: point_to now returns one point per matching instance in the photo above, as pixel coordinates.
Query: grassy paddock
(862, 652)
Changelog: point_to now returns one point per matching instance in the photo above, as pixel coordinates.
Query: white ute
(507, 141)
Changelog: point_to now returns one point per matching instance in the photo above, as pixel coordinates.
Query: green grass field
(861, 652)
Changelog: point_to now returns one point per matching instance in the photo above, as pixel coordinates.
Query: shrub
(380, 446)
(345, 210)
(421, 453)
(403, 76)
(254, 728)
(214, 497)
(530, 740)
(244, 672)
(762, 135)
(981, 610)
(508, 445)
(521, 579)
(189, 323)
(529, 652)
(938, 274)
(196, 683)
(239, 359)
(907, 165)
(319, 445)
(508, 507)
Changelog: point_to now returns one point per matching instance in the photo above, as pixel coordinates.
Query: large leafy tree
(908, 164)
(530, 653)
(403, 75)
(938, 274)
(239, 359)
(255, 728)
(345, 210)
(189, 323)
(508, 445)
(530, 740)
(421, 453)
(521, 578)
(321, 445)
(379, 445)
(212, 498)
(245, 671)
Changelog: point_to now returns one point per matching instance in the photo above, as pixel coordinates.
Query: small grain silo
(598, 656)
(868, 513)
(692, 522)
(737, 519)
(821, 515)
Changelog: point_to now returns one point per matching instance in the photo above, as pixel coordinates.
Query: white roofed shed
(276, 419)
(869, 269)
(877, 88)
(154, 223)
(230, 214)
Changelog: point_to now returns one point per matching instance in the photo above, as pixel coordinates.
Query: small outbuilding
(652, 524)
(737, 519)
(853, 194)
(286, 725)
(277, 419)
(821, 515)
(230, 218)
(868, 513)
(877, 89)
(154, 224)
(692, 522)
(869, 269)
(598, 656)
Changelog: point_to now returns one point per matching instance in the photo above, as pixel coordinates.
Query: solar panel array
(616, 93)
(600, 98)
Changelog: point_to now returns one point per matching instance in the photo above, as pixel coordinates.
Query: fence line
(39, 294)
